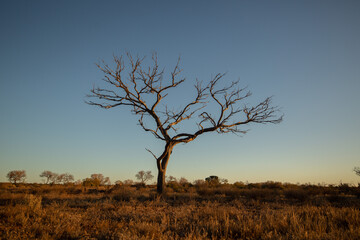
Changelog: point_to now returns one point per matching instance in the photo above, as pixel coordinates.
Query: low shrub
(239, 185)
(296, 194)
(126, 193)
(258, 194)
(272, 185)
(206, 191)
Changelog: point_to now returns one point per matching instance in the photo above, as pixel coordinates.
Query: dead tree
(142, 87)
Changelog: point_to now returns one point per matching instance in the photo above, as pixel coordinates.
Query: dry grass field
(227, 211)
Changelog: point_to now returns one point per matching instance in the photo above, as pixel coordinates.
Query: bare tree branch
(143, 88)
(151, 153)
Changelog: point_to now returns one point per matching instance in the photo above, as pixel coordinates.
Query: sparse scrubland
(203, 210)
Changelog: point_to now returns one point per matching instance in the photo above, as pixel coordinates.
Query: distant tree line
(98, 179)
(95, 179)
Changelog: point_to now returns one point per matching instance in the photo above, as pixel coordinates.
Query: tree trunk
(161, 182)
(162, 162)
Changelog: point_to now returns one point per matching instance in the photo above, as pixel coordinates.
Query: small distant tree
(60, 178)
(90, 182)
(183, 181)
(199, 182)
(224, 181)
(357, 170)
(128, 182)
(171, 179)
(49, 176)
(16, 176)
(143, 176)
(106, 181)
(54, 179)
(102, 180)
(118, 182)
(212, 178)
(67, 178)
(98, 176)
(64, 178)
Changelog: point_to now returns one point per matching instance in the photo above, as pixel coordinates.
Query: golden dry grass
(70, 212)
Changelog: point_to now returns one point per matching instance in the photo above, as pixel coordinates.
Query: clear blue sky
(305, 53)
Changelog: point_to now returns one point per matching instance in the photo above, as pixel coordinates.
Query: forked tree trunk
(162, 162)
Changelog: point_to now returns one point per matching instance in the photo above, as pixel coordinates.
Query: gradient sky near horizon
(304, 53)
